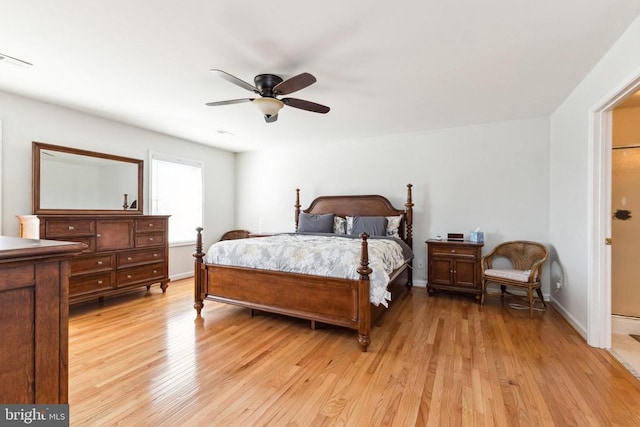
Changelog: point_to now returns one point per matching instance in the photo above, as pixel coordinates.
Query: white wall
(26, 120)
(569, 162)
(494, 176)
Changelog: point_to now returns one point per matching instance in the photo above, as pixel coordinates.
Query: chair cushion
(517, 275)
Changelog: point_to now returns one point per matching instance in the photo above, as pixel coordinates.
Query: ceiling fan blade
(293, 84)
(230, 101)
(305, 105)
(270, 119)
(236, 81)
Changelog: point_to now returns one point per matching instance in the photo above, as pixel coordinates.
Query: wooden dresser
(34, 314)
(123, 252)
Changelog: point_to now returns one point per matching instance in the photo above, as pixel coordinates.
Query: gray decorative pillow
(393, 226)
(313, 223)
(372, 225)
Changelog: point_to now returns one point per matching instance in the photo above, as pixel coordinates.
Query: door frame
(599, 215)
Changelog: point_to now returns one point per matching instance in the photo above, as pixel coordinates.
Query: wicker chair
(526, 260)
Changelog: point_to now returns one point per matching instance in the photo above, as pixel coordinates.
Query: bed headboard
(369, 205)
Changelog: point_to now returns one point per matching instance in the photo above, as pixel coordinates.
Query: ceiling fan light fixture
(268, 106)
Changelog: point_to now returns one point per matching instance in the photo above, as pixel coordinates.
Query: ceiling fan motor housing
(266, 82)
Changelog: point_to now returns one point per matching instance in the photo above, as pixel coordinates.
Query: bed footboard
(336, 301)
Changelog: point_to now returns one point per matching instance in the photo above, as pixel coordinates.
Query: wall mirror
(73, 181)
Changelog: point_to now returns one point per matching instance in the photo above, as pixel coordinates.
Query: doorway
(599, 305)
(625, 233)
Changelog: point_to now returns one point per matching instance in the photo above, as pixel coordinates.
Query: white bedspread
(329, 256)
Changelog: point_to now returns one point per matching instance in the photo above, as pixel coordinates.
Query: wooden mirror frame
(37, 147)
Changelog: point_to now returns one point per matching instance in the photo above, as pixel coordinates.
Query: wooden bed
(336, 301)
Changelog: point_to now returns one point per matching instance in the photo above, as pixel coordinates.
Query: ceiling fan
(269, 87)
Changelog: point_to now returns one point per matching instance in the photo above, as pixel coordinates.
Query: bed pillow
(372, 225)
(314, 223)
(393, 226)
(339, 225)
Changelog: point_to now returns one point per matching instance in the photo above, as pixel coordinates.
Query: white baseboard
(625, 325)
(181, 275)
(579, 327)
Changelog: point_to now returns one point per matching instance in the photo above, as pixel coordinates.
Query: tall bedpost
(409, 219)
(197, 267)
(364, 304)
(297, 206)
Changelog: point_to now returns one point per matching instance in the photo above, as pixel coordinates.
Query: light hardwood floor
(145, 360)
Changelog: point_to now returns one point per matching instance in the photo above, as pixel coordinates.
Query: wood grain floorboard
(145, 359)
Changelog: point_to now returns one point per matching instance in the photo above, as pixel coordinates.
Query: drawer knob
(151, 239)
(128, 276)
(99, 282)
(71, 227)
(98, 235)
(453, 251)
(129, 258)
(155, 271)
(150, 224)
(99, 262)
(155, 255)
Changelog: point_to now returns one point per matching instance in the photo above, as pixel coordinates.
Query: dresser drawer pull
(99, 262)
(155, 255)
(150, 224)
(129, 258)
(98, 235)
(71, 227)
(453, 251)
(151, 239)
(128, 276)
(99, 282)
(155, 271)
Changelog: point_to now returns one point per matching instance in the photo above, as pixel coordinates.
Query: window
(176, 190)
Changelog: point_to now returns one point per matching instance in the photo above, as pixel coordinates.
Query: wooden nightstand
(454, 266)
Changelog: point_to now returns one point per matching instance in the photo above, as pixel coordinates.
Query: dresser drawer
(150, 239)
(144, 273)
(69, 228)
(144, 256)
(150, 224)
(455, 251)
(85, 284)
(92, 264)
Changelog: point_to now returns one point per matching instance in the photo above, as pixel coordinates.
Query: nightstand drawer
(455, 251)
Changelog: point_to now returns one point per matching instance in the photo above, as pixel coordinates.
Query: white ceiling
(384, 67)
